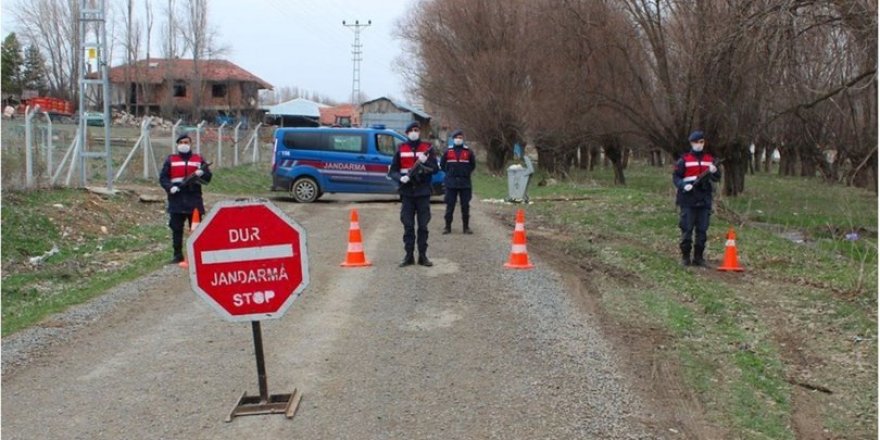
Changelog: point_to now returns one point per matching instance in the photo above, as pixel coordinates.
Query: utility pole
(356, 58)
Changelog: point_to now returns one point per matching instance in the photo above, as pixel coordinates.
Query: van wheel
(305, 190)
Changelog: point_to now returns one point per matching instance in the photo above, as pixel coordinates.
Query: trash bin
(518, 181)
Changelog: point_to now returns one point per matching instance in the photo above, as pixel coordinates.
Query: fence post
(145, 137)
(219, 160)
(235, 145)
(28, 146)
(199, 137)
(174, 136)
(256, 154)
(49, 146)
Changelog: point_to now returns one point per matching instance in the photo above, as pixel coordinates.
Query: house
(299, 112)
(393, 115)
(344, 115)
(168, 87)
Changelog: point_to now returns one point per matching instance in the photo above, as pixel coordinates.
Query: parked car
(309, 162)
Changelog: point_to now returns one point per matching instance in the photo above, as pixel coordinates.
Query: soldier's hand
(712, 168)
(404, 179)
(199, 173)
(174, 189)
(422, 157)
(688, 187)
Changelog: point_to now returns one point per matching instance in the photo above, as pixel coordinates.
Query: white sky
(302, 43)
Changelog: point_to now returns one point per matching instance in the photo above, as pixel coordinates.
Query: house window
(179, 89)
(218, 90)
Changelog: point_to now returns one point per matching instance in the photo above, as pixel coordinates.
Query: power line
(356, 58)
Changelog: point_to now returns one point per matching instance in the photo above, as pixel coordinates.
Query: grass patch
(253, 180)
(101, 242)
(728, 331)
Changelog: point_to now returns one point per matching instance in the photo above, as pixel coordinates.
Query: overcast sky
(302, 43)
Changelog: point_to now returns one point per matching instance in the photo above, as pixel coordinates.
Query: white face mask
(183, 148)
(697, 147)
(413, 135)
(458, 141)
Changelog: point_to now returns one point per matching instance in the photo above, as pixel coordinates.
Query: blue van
(309, 162)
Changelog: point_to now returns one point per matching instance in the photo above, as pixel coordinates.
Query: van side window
(303, 141)
(387, 144)
(346, 143)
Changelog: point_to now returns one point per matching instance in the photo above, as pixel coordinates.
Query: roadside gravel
(466, 349)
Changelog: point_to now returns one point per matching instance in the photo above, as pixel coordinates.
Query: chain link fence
(137, 152)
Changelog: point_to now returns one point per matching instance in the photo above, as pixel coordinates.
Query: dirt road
(465, 349)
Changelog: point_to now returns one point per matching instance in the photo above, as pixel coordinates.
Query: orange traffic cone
(355, 256)
(193, 223)
(730, 263)
(196, 219)
(519, 257)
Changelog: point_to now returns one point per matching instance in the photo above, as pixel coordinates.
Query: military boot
(424, 261)
(408, 260)
(698, 257)
(178, 255)
(685, 258)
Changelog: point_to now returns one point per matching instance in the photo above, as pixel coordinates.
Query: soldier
(413, 165)
(181, 177)
(458, 163)
(693, 176)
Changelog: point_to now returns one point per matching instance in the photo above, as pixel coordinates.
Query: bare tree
(468, 65)
(51, 25)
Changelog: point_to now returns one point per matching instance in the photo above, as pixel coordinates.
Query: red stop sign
(248, 260)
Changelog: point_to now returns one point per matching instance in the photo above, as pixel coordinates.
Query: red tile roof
(156, 70)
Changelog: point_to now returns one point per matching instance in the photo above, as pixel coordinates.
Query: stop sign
(248, 260)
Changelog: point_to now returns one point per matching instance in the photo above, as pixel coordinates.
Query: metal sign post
(264, 403)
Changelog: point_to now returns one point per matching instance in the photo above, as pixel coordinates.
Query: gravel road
(465, 349)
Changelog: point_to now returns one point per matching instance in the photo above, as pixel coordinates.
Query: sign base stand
(276, 404)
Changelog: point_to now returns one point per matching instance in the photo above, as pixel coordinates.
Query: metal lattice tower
(356, 58)
(93, 56)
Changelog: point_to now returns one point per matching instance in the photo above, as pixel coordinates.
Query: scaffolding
(92, 61)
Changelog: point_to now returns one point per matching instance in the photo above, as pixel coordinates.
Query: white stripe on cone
(518, 249)
(353, 226)
(731, 243)
(355, 247)
(519, 227)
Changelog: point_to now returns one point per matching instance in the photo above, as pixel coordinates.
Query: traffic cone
(193, 223)
(355, 256)
(519, 257)
(730, 262)
(196, 219)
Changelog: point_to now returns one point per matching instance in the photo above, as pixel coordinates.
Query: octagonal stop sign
(248, 260)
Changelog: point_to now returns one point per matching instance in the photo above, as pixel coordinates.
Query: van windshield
(387, 144)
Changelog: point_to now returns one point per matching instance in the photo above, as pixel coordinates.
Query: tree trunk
(787, 161)
(809, 161)
(864, 175)
(735, 167)
(614, 154)
(496, 156)
(594, 156)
